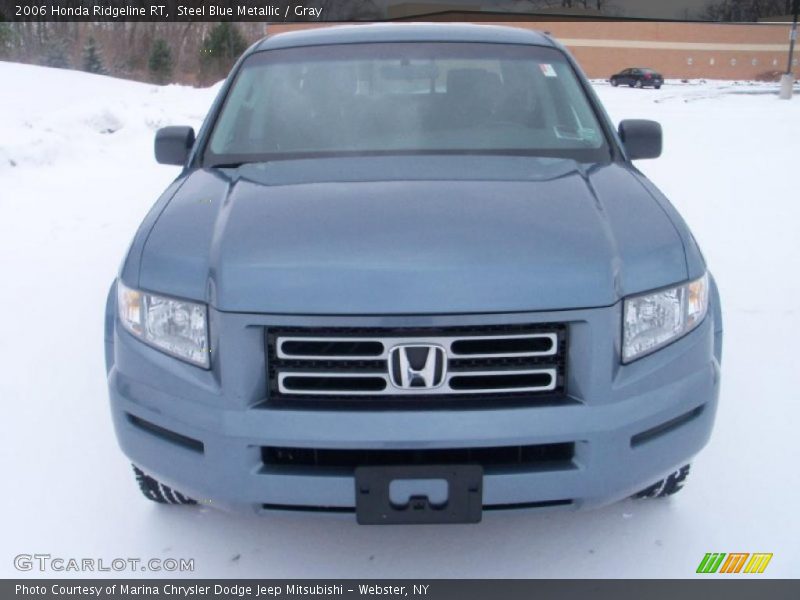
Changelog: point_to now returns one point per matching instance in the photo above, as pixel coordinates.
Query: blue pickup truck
(410, 272)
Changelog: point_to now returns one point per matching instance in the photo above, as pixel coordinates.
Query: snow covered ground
(76, 177)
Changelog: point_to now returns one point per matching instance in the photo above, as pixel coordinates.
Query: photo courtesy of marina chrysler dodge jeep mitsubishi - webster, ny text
(410, 272)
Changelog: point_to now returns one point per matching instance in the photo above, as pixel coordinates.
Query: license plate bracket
(464, 495)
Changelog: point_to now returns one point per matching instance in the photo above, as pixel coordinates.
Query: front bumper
(630, 425)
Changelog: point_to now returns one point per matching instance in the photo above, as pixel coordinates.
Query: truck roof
(403, 32)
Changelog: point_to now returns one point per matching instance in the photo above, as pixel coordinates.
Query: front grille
(492, 459)
(404, 364)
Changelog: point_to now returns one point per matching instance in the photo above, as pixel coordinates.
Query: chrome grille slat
(283, 340)
(446, 341)
(369, 364)
(389, 390)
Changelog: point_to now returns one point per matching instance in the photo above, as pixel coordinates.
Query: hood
(416, 235)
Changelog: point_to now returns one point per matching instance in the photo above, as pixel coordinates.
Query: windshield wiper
(230, 165)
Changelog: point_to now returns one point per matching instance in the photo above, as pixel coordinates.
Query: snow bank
(54, 114)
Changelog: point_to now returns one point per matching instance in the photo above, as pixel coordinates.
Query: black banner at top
(166, 10)
(280, 11)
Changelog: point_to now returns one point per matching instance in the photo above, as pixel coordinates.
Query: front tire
(672, 484)
(155, 491)
(614, 83)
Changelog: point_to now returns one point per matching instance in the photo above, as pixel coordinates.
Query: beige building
(676, 49)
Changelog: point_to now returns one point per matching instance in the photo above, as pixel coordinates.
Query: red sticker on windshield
(548, 70)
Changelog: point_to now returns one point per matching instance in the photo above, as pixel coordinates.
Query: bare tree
(602, 6)
(126, 45)
(744, 10)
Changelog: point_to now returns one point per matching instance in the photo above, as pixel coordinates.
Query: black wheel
(614, 83)
(158, 492)
(658, 87)
(666, 487)
(638, 83)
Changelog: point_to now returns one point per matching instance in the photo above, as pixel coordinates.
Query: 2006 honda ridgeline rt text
(410, 272)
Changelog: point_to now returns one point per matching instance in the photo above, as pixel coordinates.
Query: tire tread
(156, 491)
(672, 484)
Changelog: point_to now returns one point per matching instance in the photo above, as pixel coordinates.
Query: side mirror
(642, 138)
(173, 144)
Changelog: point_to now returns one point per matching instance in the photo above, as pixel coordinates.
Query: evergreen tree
(6, 39)
(56, 54)
(91, 57)
(220, 49)
(160, 62)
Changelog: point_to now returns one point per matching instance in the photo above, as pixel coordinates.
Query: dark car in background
(637, 77)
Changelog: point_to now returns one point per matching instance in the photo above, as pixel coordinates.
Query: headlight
(177, 327)
(653, 320)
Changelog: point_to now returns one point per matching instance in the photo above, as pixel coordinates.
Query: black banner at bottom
(428, 589)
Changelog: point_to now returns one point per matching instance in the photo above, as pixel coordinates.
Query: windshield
(406, 98)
